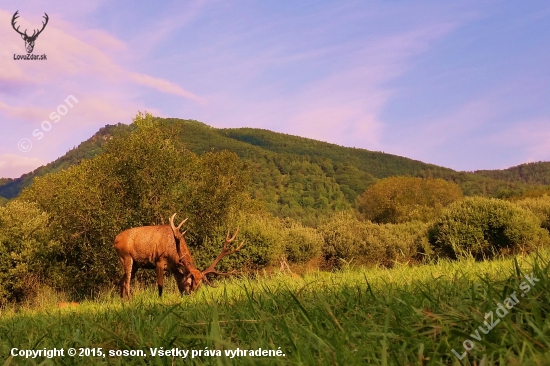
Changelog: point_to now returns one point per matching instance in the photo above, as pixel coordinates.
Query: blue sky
(461, 84)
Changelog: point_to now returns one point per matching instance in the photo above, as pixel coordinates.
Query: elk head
(29, 40)
(184, 255)
(195, 277)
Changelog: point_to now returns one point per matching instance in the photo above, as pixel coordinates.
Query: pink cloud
(164, 86)
(80, 121)
(445, 131)
(533, 137)
(340, 125)
(345, 107)
(93, 108)
(13, 166)
(90, 64)
(69, 54)
(23, 113)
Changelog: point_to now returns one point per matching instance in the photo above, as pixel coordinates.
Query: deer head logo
(29, 40)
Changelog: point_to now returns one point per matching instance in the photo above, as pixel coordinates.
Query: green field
(400, 316)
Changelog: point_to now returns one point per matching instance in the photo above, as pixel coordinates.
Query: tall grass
(399, 316)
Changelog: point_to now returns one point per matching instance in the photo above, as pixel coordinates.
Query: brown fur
(152, 247)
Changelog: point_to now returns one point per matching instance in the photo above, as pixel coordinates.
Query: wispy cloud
(90, 64)
(530, 139)
(345, 106)
(71, 55)
(442, 134)
(22, 112)
(448, 83)
(163, 86)
(12, 165)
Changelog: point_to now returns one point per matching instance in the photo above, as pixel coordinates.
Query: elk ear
(23, 36)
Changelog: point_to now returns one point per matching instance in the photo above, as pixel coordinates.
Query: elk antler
(177, 234)
(43, 26)
(34, 34)
(13, 19)
(226, 250)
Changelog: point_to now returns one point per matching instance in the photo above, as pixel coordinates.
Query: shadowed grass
(400, 316)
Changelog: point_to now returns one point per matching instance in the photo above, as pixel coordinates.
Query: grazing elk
(163, 247)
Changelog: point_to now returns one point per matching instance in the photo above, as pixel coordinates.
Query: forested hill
(531, 173)
(10, 188)
(300, 176)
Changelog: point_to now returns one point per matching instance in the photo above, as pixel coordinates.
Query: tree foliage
(531, 173)
(401, 199)
(26, 249)
(485, 227)
(526, 192)
(141, 179)
(349, 240)
(540, 206)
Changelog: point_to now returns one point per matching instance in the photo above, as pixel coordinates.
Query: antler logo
(29, 40)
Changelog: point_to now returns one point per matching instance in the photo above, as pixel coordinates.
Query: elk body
(163, 248)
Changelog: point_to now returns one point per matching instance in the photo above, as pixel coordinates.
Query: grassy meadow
(356, 316)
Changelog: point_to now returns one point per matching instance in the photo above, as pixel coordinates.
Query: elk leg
(122, 286)
(134, 270)
(132, 276)
(160, 277)
(127, 265)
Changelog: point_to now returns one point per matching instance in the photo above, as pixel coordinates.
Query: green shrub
(363, 242)
(540, 206)
(401, 199)
(407, 241)
(267, 240)
(25, 245)
(263, 245)
(349, 239)
(301, 243)
(484, 227)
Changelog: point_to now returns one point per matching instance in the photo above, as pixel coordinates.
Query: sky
(461, 84)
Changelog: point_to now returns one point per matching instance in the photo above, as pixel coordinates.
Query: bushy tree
(263, 244)
(347, 239)
(215, 193)
(485, 227)
(401, 199)
(268, 240)
(141, 179)
(26, 249)
(301, 244)
(540, 206)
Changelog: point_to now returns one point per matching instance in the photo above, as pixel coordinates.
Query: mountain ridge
(352, 164)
